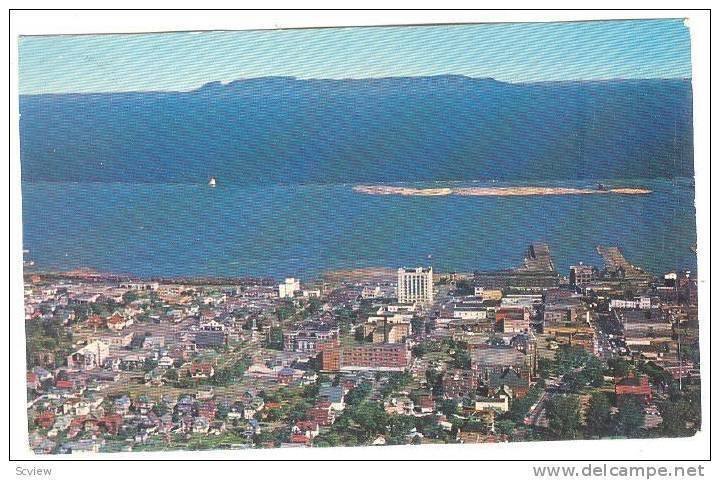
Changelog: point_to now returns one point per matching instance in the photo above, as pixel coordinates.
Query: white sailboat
(212, 182)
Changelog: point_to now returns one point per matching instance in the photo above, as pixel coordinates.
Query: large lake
(302, 230)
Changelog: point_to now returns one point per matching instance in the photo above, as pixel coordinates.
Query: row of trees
(360, 424)
(47, 336)
(681, 417)
(232, 373)
(565, 420)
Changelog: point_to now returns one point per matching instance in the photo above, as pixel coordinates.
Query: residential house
(210, 339)
(153, 341)
(32, 381)
(424, 404)
(143, 405)
(307, 428)
(459, 383)
(122, 405)
(208, 410)
(507, 382)
(45, 419)
(400, 406)
(333, 394)
(236, 411)
(633, 386)
(92, 355)
(322, 413)
(199, 371)
(117, 322)
(185, 405)
(500, 403)
(255, 406)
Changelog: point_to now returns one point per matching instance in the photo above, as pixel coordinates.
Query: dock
(615, 262)
(537, 272)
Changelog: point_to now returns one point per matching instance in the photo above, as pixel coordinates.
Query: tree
(129, 297)
(545, 367)
(285, 310)
(563, 412)
(520, 407)
(314, 305)
(681, 413)
(658, 375)
(449, 407)
(593, 372)
(395, 382)
(690, 352)
(573, 381)
(619, 367)
(478, 424)
(461, 359)
(399, 426)
(171, 374)
(371, 420)
(419, 350)
(360, 334)
(358, 394)
(160, 409)
(630, 417)
(275, 339)
(222, 377)
(417, 325)
(434, 381)
(149, 364)
(282, 435)
(598, 419)
(570, 357)
(463, 288)
(505, 427)
(329, 439)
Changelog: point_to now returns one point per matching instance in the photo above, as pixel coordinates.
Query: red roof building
(329, 355)
(299, 439)
(45, 419)
(207, 410)
(306, 428)
(32, 380)
(633, 386)
(513, 319)
(201, 370)
(375, 356)
(117, 322)
(459, 383)
(64, 384)
(95, 321)
(272, 405)
(322, 414)
(111, 423)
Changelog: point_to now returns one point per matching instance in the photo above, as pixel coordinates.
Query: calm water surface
(303, 230)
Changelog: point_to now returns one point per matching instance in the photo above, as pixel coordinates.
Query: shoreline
(494, 191)
(92, 276)
(360, 274)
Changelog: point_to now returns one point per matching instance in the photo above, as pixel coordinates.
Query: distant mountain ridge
(283, 129)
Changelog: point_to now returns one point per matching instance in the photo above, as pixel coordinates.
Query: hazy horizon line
(341, 79)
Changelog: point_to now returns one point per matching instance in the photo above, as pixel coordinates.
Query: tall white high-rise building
(288, 289)
(415, 285)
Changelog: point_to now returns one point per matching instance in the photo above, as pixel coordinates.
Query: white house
(90, 356)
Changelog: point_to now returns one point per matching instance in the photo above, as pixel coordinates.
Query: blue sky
(507, 52)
